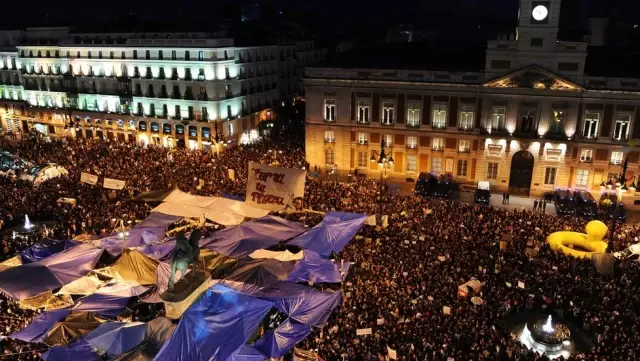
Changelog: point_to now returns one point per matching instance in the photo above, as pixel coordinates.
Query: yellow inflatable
(592, 241)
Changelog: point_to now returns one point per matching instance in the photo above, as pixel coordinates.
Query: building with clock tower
(529, 112)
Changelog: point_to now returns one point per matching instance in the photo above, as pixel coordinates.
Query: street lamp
(217, 137)
(621, 187)
(383, 164)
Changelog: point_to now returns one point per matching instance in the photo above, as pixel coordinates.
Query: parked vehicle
(429, 185)
(586, 205)
(564, 202)
(483, 193)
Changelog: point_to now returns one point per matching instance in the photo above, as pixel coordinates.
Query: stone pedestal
(185, 292)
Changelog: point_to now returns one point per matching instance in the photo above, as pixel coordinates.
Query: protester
(402, 275)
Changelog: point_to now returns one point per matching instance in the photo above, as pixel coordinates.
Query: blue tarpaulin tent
(160, 251)
(43, 249)
(109, 300)
(215, 326)
(76, 351)
(50, 273)
(37, 330)
(314, 268)
(246, 353)
(332, 234)
(276, 343)
(115, 338)
(241, 240)
(152, 229)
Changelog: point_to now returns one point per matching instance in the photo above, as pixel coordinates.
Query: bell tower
(538, 22)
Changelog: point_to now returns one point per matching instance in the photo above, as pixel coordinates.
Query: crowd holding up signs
(400, 296)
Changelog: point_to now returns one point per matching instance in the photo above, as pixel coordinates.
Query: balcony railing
(616, 161)
(413, 125)
(363, 141)
(438, 126)
(464, 128)
(586, 160)
(620, 139)
(329, 140)
(464, 150)
(437, 149)
(412, 146)
(363, 121)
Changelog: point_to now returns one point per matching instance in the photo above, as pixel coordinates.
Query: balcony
(163, 95)
(363, 121)
(149, 94)
(465, 128)
(387, 123)
(616, 161)
(438, 126)
(329, 140)
(464, 150)
(413, 125)
(586, 160)
(620, 139)
(437, 148)
(176, 96)
(363, 141)
(412, 146)
(203, 97)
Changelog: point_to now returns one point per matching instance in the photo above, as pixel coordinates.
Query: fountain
(547, 336)
(547, 326)
(27, 223)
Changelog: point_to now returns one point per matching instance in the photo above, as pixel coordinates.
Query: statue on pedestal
(186, 253)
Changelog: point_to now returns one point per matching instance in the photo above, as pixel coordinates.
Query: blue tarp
(50, 273)
(235, 197)
(37, 330)
(215, 326)
(246, 353)
(160, 251)
(261, 272)
(276, 343)
(303, 304)
(158, 220)
(115, 338)
(43, 249)
(332, 234)
(76, 351)
(151, 230)
(241, 240)
(109, 300)
(314, 268)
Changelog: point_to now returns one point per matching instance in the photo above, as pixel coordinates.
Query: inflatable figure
(587, 244)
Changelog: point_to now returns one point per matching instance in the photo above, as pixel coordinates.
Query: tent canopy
(115, 338)
(153, 196)
(44, 249)
(242, 240)
(276, 343)
(332, 234)
(158, 331)
(314, 268)
(224, 211)
(76, 351)
(215, 326)
(133, 266)
(109, 300)
(82, 286)
(49, 273)
(246, 353)
(37, 330)
(261, 272)
(71, 329)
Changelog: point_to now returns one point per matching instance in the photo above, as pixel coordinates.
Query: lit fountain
(27, 224)
(547, 336)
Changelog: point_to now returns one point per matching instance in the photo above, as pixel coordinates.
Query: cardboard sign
(520, 284)
(392, 353)
(110, 183)
(274, 188)
(363, 331)
(380, 321)
(88, 178)
(446, 310)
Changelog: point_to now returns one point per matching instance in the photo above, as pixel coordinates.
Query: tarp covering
(158, 331)
(246, 353)
(10, 263)
(44, 249)
(37, 330)
(138, 237)
(153, 196)
(332, 234)
(220, 210)
(47, 300)
(159, 251)
(115, 338)
(215, 326)
(261, 272)
(82, 286)
(280, 256)
(242, 240)
(110, 299)
(303, 304)
(74, 326)
(50, 273)
(276, 343)
(75, 352)
(133, 266)
(158, 220)
(314, 268)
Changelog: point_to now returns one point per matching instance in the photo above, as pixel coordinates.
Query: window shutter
(633, 159)
(601, 154)
(450, 143)
(475, 144)
(575, 153)
(353, 158)
(579, 119)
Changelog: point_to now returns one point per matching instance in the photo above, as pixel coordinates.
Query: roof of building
(416, 56)
(612, 62)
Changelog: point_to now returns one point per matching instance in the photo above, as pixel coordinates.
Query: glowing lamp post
(384, 163)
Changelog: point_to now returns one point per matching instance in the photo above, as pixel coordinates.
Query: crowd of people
(403, 275)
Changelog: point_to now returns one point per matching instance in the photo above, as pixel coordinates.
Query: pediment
(533, 77)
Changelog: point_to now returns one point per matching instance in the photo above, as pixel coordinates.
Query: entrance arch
(521, 173)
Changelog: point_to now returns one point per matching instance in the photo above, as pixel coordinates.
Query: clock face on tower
(540, 13)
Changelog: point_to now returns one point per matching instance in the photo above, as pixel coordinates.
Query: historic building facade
(531, 121)
(186, 89)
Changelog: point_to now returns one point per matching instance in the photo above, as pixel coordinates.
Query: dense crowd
(403, 275)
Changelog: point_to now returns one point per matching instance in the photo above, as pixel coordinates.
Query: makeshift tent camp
(50, 273)
(44, 249)
(79, 350)
(276, 343)
(280, 256)
(215, 326)
(10, 263)
(246, 353)
(74, 326)
(261, 272)
(220, 210)
(159, 251)
(314, 268)
(332, 234)
(153, 196)
(37, 330)
(82, 286)
(109, 300)
(132, 266)
(242, 240)
(48, 301)
(115, 338)
(158, 332)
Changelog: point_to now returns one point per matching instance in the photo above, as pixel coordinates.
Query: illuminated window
(591, 121)
(497, 118)
(388, 140)
(388, 110)
(230, 129)
(363, 159)
(621, 128)
(412, 142)
(582, 178)
(363, 111)
(586, 155)
(413, 115)
(550, 176)
(329, 136)
(201, 55)
(362, 138)
(436, 166)
(466, 117)
(330, 109)
(439, 115)
(329, 156)
(412, 164)
(617, 157)
(437, 144)
(464, 146)
(492, 171)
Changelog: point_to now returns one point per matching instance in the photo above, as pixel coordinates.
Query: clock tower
(535, 42)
